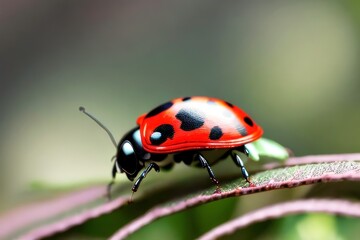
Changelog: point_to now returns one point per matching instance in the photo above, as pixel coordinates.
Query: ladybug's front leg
(143, 175)
(237, 160)
(206, 165)
(109, 186)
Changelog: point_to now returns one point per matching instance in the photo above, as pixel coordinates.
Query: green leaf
(266, 150)
(288, 177)
(89, 210)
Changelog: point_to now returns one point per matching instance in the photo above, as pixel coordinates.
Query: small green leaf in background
(266, 150)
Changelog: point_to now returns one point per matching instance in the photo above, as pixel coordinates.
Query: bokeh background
(292, 65)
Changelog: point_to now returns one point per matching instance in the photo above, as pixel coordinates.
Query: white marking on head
(136, 136)
(127, 148)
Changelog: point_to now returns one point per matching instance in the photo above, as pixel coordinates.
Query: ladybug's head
(130, 152)
(130, 155)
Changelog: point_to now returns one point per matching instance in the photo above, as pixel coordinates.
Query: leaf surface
(47, 218)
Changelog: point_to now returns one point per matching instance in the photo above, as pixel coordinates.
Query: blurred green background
(292, 65)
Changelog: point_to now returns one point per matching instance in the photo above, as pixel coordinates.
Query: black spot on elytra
(159, 109)
(161, 134)
(242, 130)
(215, 133)
(186, 99)
(229, 104)
(248, 121)
(190, 120)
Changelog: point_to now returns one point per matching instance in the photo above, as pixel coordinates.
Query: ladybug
(198, 131)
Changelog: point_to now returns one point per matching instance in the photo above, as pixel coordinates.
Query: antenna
(82, 109)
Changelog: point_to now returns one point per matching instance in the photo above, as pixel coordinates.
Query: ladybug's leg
(236, 158)
(109, 186)
(206, 165)
(143, 175)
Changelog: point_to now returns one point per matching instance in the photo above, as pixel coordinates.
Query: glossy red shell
(236, 127)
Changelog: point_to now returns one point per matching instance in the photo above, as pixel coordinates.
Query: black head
(130, 155)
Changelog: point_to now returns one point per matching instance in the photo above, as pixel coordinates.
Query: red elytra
(194, 120)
